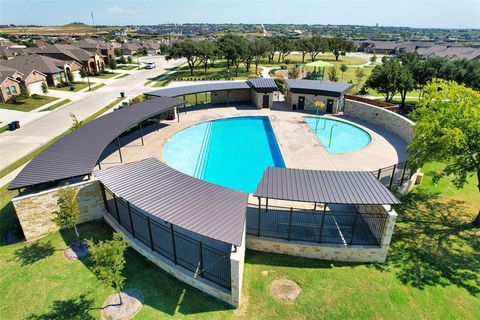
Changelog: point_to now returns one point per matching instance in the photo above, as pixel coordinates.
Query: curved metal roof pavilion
(77, 153)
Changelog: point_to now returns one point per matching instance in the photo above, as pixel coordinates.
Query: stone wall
(386, 119)
(231, 96)
(36, 211)
(237, 263)
(330, 251)
(292, 98)
(185, 275)
(257, 99)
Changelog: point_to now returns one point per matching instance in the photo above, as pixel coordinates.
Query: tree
(332, 73)
(75, 122)
(373, 59)
(163, 47)
(359, 75)
(248, 54)
(241, 52)
(340, 46)
(185, 49)
(117, 51)
(83, 73)
(317, 44)
(343, 69)
(44, 88)
(69, 74)
(295, 72)
(205, 51)
(129, 59)
(108, 261)
(384, 78)
(272, 48)
(285, 46)
(303, 45)
(68, 211)
(259, 47)
(447, 129)
(228, 48)
(112, 64)
(405, 82)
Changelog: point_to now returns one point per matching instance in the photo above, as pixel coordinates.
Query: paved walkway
(47, 125)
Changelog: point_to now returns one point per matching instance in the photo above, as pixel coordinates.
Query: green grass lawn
(122, 76)
(297, 59)
(431, 272)
(217, 72)
(78, 86)
(57, 105)
(106, 75)
(126, 67)
(96, 87)
(28, 104)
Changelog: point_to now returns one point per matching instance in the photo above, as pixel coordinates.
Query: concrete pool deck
(299, 146)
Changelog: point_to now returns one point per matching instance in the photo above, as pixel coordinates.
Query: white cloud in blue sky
(415, 13)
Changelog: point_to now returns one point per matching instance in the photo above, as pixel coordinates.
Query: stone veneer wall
(292, 98)
(240, 95)
(232, 298)
(257, 99)
(329, 251)
(36, 211)
(386, 119)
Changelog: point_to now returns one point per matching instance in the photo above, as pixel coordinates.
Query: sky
(412, 13)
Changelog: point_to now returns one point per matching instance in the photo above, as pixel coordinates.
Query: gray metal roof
(263, 84)
(193, 204)
(335, 187)
(319, 87)
(76, 154)
(198, 88)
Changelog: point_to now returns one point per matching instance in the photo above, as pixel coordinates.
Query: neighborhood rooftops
(318, 87)
(27, 64)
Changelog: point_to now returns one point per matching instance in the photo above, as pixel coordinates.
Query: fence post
(404, 170)
(379, 173)
(323, 220)
(393, 175)
(290, 224)
(200, 254)
(353, 227)
(116, 208)
(130, 218)
(150, 233)
(173, 244)
(259, 213)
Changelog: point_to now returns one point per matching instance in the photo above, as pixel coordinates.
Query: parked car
(150, 65)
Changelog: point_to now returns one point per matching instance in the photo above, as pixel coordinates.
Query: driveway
(16, 144)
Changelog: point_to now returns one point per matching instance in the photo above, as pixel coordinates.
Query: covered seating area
(345, 208)
(191, 223)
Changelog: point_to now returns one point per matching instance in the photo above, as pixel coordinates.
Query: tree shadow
(434, 244)
(73, 309)
(33, 252)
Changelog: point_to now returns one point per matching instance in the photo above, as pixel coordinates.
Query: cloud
(117, 9)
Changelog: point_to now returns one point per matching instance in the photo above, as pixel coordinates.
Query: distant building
(92, 61)
(9, 83)
(103, 48)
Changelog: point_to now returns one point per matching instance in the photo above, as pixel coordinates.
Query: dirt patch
(285, 290)
(77, 250)
(132, 304)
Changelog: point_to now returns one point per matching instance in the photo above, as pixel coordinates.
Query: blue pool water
(345, 137)
(232, 152)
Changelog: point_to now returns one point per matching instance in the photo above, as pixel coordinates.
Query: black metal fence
(320, 226)
(394, 176)
(171, 241)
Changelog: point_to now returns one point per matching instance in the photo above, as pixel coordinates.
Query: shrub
(287, 61)
(283, 66)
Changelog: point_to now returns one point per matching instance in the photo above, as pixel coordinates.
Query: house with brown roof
(31, 78)
(130, 48)
(9, 85)
(103, 48)
(93, 62)
(55, 70)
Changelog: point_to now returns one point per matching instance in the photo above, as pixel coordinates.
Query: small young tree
(359, 75)
(109, 261)
(112, 64)
(332, 74)
(373, 59)
(44, 88)
(83, 73)
(343, 69)
(75, 122)
(68, 211)
(70, 78)
(124, 61)
(129, 59)
(295, 72)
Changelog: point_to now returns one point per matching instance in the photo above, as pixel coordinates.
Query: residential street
(48, 125)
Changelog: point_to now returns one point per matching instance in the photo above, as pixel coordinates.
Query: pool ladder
(202, 156)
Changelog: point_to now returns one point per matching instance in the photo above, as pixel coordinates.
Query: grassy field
(78, 86)
(431, 272)
(28, 104)
(217, 72)
(73, 29)
(57, 105)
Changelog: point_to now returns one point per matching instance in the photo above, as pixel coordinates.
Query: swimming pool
(231, 152)
(345, 137)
